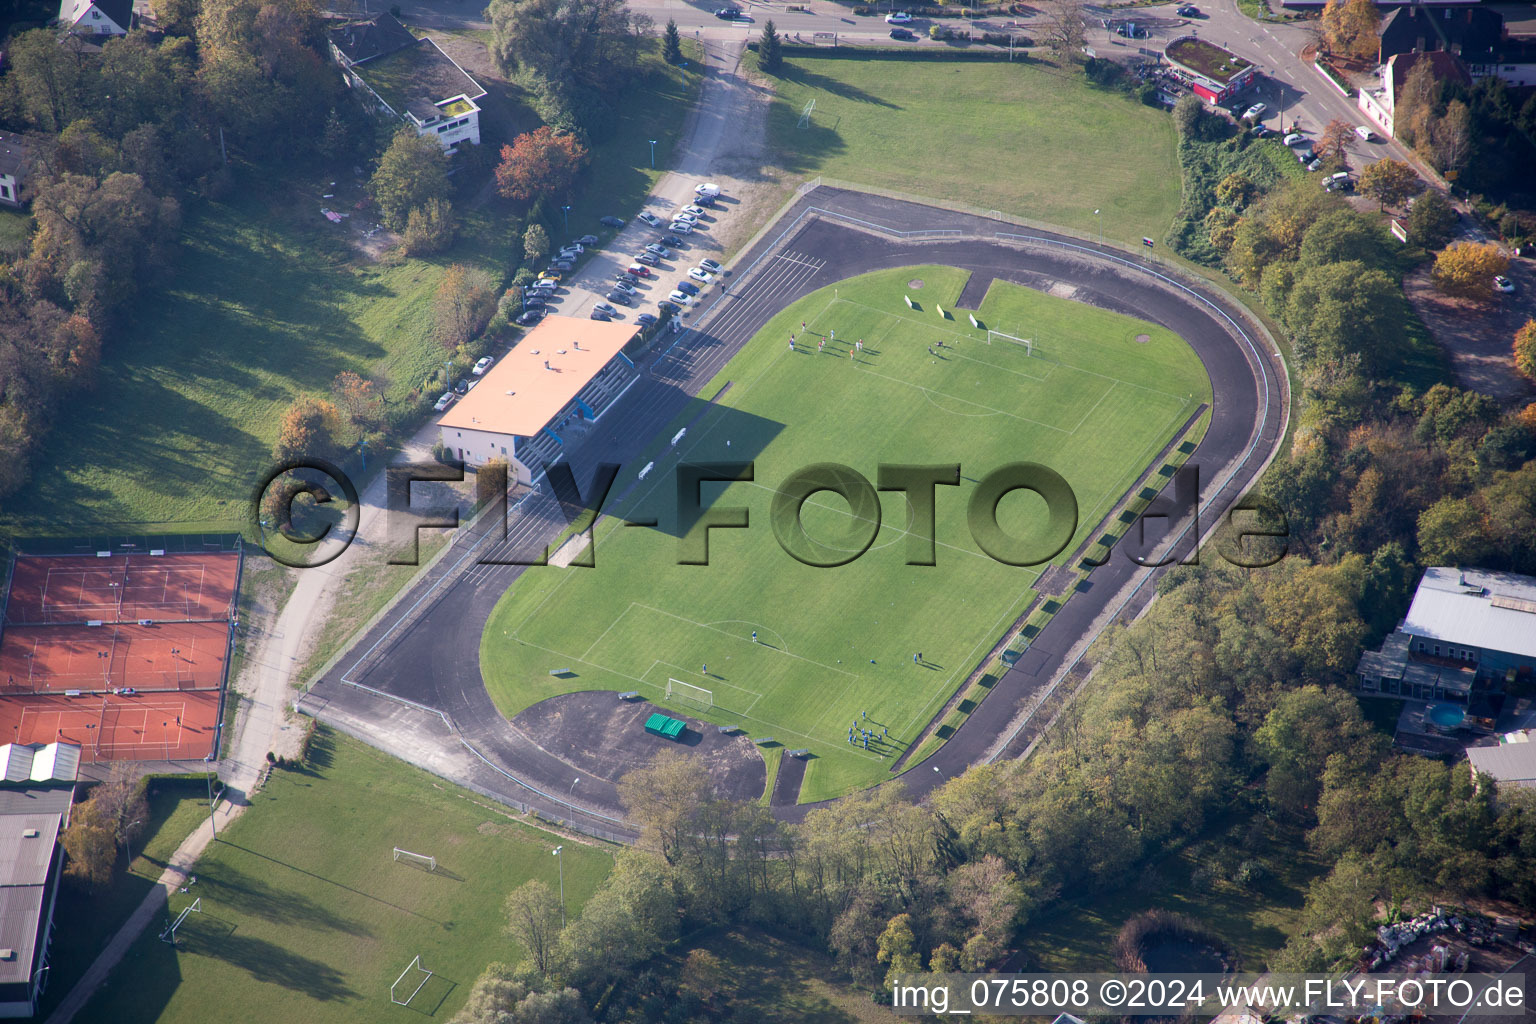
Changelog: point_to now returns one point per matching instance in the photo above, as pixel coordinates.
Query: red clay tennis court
(165, 656)
(143, 727)
(122, 588)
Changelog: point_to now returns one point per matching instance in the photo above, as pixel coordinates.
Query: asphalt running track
(412, 684)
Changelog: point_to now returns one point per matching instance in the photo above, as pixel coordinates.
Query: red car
(640, 270)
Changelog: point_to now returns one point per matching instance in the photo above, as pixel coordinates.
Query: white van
(1366, 135)
(709, 189)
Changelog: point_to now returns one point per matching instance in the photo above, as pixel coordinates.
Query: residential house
(411, 79)
(15, 164)
(1467, 635)
(1475, 34)
(1511, 763)
(1379, 103)
(97, 17)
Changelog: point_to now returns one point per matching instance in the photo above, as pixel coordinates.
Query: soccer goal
(420, 860)
(169, 935)
(1029, 346)
(415, 972)
(679, 690)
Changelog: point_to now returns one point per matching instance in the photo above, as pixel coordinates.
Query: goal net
(698, 695)
(419, 860)
(414, 974)
(169, 935)
(1029, 346)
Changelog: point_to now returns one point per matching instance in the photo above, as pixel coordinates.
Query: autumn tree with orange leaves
(539, 163)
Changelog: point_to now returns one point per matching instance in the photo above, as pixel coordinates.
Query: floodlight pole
(567, 211)
(211, 823)
(653, 153)
(559, 860)
(128, 843)
(1101, 227)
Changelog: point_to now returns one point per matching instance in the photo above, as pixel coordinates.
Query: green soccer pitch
(1092, 402)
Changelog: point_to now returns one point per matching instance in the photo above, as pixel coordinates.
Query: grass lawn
(1079, 935)
(307, 916)
(1024, 138)
(85, 919)
(770, 980)
(1092, 403)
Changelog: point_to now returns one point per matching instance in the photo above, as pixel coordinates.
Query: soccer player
(754, 636)
(704, 669)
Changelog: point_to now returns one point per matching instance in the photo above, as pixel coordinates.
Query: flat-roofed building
(562, 376)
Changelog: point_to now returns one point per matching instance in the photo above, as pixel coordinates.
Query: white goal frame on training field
(679, 690)
(1029, 346)
(426, 861)
(415, 965)
(169, 935)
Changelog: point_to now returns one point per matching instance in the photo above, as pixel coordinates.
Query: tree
(540, 163)
(412, 172)
(1304, 728)
(1451, 532)
(586, 44)
(671, 44)
(1236, 190)
(535, 242)
(1525, 350)
(897, 948)
(533, 919)
(429, 228)
(1350, 28)
(1335, 138)
(663, 798)
(311, 428)
(1389, 182)
(1414, 112)
(91, 846)
(1452, 136)
(770, 51)
(48, 81)
(1432, 221)
(1061, 27)
(1338, 309)
(1468, 269)
(359, 399)
(465, 302)
(704, 974)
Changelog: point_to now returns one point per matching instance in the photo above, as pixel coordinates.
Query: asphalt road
(412, 684)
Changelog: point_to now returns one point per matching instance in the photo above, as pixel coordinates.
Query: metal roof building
(1511, 763)
(36, 794)
(1488, 613)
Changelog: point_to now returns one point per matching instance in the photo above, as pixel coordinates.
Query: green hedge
(892, 53)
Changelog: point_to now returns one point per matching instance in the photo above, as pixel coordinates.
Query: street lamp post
(128, 843)
(211, 823)
(653, 153)
(567, 211)
(1101, 226)
(560, 861)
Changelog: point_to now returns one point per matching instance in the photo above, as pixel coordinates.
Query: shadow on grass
(324, 917)
(227, 885)
(264, 961)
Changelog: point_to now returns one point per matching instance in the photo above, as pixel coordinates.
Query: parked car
(587, 240)
(727, 13)
(443, 401)
(708, 188)
(1338, 182)
(562, 265)
(529, 317)
(1259, 131)
(1366, 135)
(688, 288)
(603, 307)
(1255, 112)
(1294, 138)
(711, 266)
(574, 248)
(708, 202)
(549, 275)
(646, 258)
(694, 211)
(639, 270)
(898, 18)
(902, 33)
(657, 250)
(544, 285)
(682, 227)
(624, 285)
(610, 222)
(681, 298)
(646, 319)
(667, 307)
(622, 298)
(1188, 11)
(673, 241)
(598, 314)
(1504, 284)
(684, 218)
(651, 219)
(701, 276)
(462, 387)
(534, 302)
(1315, 164)
(1131, 30)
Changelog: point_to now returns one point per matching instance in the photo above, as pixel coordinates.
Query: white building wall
(464, 128)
